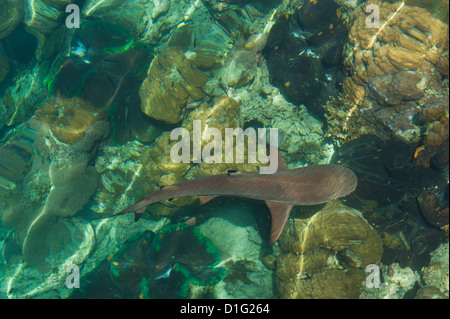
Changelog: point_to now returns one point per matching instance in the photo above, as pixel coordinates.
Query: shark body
(282, 190)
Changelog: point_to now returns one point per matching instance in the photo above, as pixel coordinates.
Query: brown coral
(435, 146)
(439, 8)
(334, 245)
(437, 132)
(68, 119)
(408, 39)
(173, 80)
(393, 70)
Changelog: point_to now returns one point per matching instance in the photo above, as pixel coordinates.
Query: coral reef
(205, 44)
(110, 83)
(68, 119)
(436, 273)
(332, 247)
(241, 66)
(395, 62)
(434, 150)
(304, 54)
(430, 292)
(46, 233)
(399, 277)
(19, 100)
(85, 121)
(346, 121)
(240, 18)
(172, 82)
(439, 8)
(433, 205)
(119, 169)
(387, 167)
(389, 184)
(92, 243)
(16, 155)
(125, 25)
(395, 283)
(20, 47)
(176, 76)
(12, 15)
(393, 71)
(59, 184)
(159, 265)
(231, 227)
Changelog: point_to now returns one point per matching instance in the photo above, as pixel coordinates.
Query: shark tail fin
(280, 213)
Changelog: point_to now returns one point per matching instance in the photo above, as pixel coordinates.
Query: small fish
(166, 274)
(80, 51)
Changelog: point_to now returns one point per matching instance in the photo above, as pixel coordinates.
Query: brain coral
(324, 255)
(396, 60)
(68, 119)
(173, 81)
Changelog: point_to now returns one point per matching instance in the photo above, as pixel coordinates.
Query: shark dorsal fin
(280, 213)
(282, 166)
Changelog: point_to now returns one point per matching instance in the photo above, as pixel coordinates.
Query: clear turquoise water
(89, 94)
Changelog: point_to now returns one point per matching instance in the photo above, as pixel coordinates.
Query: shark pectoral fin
(138, 213)
(205, 199)
(280, 213)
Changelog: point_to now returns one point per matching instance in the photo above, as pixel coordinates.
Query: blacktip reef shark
(282, 190)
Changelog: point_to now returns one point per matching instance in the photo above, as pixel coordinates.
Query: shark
(310, 185)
